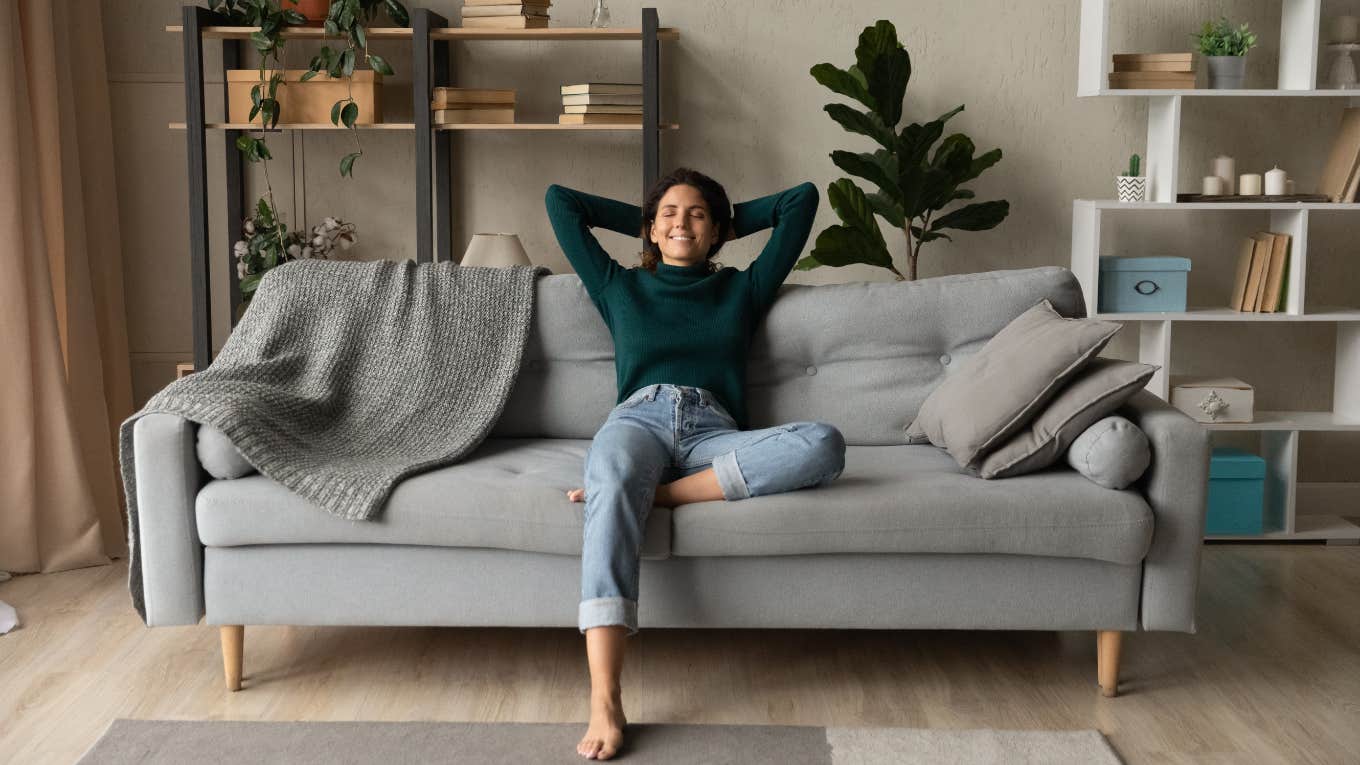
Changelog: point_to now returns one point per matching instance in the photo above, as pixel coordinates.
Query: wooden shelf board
(1324, 314)
(1267, 420)
(1114, 204)
(1245, 93)
(1308, 527)
(409, 126)
(448, 33)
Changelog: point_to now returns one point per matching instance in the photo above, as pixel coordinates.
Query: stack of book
(1262, 274)
(1153, 71)
(498, 14)
(1341, 174)
(601, 103)
(455, 106)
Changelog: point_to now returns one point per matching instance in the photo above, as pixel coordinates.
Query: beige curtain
(65, 382)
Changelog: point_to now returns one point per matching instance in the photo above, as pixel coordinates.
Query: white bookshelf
(1278, 430)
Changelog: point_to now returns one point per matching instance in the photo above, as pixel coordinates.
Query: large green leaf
(886, 67)
(853, 208)
(975, 217)
(888, 207)
(948, 168)
(843, 246)
(398, 13)
(981, 163)
(865, 166)
(842, 82)
(864, 123)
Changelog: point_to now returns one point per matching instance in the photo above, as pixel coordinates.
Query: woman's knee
(826, 455)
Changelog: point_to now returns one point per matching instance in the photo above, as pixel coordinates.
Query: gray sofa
(904, 539)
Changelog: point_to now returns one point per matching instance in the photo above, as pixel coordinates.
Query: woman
(681, 327)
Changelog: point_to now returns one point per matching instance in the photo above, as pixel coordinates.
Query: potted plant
(1225, 47)
(914, 185)
(1131, 187)
(268, 243)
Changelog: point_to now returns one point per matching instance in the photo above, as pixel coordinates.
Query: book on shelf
(1262, 273)
(1243, 274)
(627, 99)
(1340, 171)
(445, 97)
(602, 109)
(505, 22)
(603, 88)
(1152, 62)
(480, 3)
(1260, 258)
(1273, 294)
(1152, 80)
(517, 9)
(599, 119)
(474, 116)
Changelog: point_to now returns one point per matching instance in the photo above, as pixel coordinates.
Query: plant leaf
(866, 166)
(398, 13)
(975, 217)
(308, 75)
(347, 164)
(843, 246)
(887, 207)
(250, 283)
(335, 112)
(887, 68)
(864, 123)
(347, 59)
(380, 65)
(842, 82)
(349, 114)
(853, 208)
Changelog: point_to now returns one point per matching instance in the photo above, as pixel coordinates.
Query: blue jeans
(664, 432)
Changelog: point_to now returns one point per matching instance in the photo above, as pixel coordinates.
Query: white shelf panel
(1314, 421)
(1308, 527)
(1115, 204)
(1244, 93)
(1325, 314)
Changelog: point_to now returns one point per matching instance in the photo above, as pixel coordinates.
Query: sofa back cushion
(861, 356)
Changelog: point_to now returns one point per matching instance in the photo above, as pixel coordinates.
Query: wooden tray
(1253, 198)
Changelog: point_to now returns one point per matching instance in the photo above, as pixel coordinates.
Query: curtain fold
(64, 365)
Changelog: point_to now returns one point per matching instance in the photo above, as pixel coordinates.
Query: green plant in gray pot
(1225, 47)
(913, 184)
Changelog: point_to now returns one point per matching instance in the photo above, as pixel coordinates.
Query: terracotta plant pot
(314, 10)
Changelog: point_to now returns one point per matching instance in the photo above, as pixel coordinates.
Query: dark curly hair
(715, 196)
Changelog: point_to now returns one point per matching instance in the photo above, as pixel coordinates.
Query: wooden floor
(1273, 674)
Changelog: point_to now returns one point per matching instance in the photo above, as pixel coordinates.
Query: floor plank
(1273, 675)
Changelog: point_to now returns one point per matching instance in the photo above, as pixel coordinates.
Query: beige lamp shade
(495, 251)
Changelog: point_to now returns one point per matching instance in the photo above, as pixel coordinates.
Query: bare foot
(577, 495)
(605, 734)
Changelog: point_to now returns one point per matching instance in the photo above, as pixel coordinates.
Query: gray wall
(737, 82)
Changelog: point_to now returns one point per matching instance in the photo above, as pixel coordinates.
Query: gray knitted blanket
(343, 378)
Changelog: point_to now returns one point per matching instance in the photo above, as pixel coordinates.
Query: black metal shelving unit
(431, 67)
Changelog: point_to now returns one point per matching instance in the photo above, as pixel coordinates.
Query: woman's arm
(790, 213)
(572, 214)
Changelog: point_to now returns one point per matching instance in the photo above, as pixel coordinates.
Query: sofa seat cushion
(510, 494)
(916, 499)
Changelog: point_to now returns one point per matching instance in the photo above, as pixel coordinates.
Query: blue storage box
(1139, 285)
(1236, 493)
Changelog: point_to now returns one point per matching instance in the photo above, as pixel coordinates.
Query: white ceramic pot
(1131, 188)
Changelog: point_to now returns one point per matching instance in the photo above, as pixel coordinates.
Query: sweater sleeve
(572, 214)
(790, 213)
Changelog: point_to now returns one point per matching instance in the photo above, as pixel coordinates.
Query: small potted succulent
(269, 243)
(1131, 187)
(1225, 47)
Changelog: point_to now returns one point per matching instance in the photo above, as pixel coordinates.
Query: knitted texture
(343, 378)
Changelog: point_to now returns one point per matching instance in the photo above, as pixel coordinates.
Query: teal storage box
(1140, 285)
(1236, 493)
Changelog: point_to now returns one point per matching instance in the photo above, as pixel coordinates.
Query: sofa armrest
(169, 555)
(1176, 486)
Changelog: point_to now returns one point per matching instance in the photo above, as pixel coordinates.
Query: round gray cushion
(219, 456)
(1113, 452)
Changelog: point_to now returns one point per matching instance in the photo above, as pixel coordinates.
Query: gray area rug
(149, 742)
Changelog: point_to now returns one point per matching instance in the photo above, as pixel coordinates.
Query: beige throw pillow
(1098, 389)
(997, 390)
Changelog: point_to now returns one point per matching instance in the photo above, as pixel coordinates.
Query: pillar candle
(1289, 186)
(1225, 168)
(1249, 184)
(1213, 186)
(1275, 182)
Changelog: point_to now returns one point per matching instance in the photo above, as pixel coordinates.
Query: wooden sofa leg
(233, 635)
(1107, 660)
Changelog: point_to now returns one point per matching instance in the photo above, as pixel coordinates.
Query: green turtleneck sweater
(682, 325)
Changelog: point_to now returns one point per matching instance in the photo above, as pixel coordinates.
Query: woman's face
(683, 229)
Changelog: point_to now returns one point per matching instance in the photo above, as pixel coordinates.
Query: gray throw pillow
(1113, 452)
(218, 455)
(994, 392)
(1098, 389)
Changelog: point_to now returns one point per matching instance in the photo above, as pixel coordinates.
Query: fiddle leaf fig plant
(914, 180)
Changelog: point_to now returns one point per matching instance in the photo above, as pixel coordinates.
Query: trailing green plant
(1221, 38)
(913, 185)
(348, 19)
(268, 243)
(1134, 166)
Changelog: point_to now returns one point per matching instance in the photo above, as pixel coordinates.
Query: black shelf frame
(431, 67)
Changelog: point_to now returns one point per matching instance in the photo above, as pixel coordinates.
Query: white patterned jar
(1131, 188)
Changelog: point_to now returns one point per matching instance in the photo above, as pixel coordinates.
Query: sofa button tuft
(945, 359)
(811, 371)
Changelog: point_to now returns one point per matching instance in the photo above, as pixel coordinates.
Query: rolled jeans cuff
(729, 476)
(608, 612)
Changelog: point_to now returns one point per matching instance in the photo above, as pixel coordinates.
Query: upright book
(1273, 299)
(1341, 165)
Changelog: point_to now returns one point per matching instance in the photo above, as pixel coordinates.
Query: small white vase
(1131, 188)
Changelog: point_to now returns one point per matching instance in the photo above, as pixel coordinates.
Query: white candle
(1213, 186)
(1289, 186)
(1225, 168)
(1275, 182)
(1249, 184)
